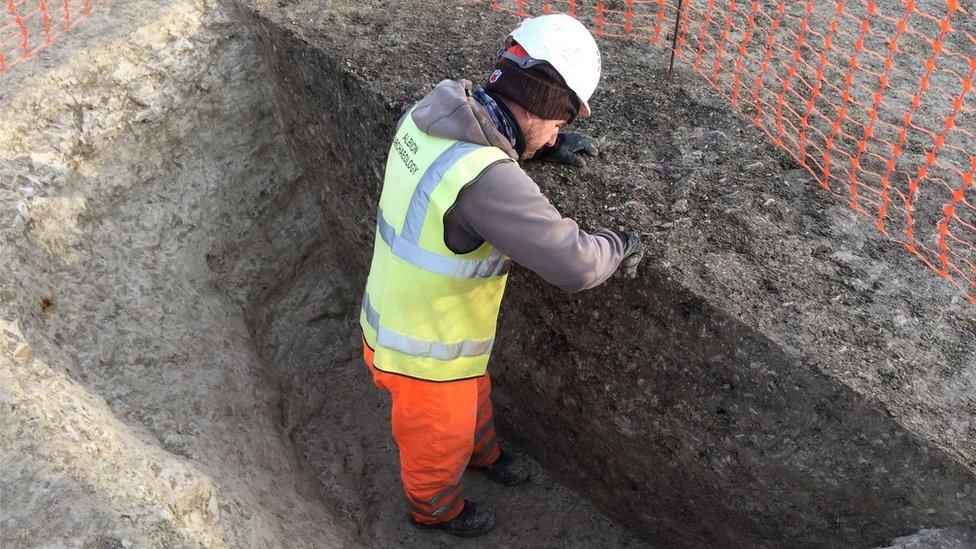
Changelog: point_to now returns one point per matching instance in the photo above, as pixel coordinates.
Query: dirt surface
(936, 538)
(771, 332)
(188, 195)
(152, 212)
(846, 50)
(134, 411)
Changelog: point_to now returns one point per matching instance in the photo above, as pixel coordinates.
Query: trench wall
(180, 229)
(146, 198)
(684, 418)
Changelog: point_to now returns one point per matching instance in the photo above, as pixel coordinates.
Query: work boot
(475, 519)
(509, 469)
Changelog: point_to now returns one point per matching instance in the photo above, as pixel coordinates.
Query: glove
(633, 253)
(567, 149)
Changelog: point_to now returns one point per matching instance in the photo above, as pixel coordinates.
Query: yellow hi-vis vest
(428, 312)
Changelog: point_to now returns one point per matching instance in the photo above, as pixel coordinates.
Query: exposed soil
(771, 329)
(188, 190)
(135, 411)
(151, 209)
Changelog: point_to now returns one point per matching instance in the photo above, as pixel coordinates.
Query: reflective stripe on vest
(428, 312)
(420, 347)
(496, 264)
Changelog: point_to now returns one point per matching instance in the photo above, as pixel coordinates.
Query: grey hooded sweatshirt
(504, 207)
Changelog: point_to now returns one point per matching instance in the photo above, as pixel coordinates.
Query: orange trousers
(440, 428)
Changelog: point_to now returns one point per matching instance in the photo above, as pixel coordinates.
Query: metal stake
(674, 38)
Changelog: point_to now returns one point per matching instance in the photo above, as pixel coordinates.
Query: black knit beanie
(539, 90)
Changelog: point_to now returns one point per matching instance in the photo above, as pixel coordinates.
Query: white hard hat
(564, 43)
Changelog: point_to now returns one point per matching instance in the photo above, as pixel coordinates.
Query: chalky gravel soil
(188, 191)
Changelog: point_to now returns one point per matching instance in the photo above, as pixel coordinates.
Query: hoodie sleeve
(506, 208)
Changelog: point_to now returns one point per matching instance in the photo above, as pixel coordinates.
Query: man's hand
(633, 253)
(567, 149)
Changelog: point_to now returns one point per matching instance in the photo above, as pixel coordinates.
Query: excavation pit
(191, 203)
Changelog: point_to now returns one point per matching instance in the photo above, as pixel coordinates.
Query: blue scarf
(500, 118)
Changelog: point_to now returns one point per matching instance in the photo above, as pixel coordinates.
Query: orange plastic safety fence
(873, 97)
(28, 26)
(638, 19)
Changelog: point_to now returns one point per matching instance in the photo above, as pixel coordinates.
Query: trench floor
(348, 446)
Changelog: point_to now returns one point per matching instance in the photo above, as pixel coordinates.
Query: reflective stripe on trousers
(438, 506)
(485, 449)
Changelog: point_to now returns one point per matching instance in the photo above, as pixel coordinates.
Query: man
(455, 210)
